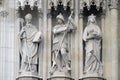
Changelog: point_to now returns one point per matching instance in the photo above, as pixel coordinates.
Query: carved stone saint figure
(92, 37)
(60, 53)
(30, 38)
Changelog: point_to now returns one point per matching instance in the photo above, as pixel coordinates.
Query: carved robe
(92, 38)
(30, 39)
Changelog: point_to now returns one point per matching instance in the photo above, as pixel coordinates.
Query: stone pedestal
(60, 76)
(28, 78)
(92, 78)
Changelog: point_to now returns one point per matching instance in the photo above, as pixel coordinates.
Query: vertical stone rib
(107, 45)
(49, 44)
(80, 30)
(76, 40)
(114, 41)
(103, 39)
(45, 40)
(41, 47)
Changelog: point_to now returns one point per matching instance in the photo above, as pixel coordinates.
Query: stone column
(76, 58)
(49, 32)
(114, 39)
(80, 29)
(17, 29)
(103, 47)
(41, 45)
(3, 45)
(103, 39)
(107, 61)
(45, 40)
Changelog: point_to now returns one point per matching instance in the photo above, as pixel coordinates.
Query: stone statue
(30, 38)
(92, 37)
(60, 52)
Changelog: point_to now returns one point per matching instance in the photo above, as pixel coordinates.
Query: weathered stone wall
(7, 42)
(9, 48)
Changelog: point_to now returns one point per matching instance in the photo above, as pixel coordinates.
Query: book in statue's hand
(37, 37)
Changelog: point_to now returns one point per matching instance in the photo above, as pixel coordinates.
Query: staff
(60, 44)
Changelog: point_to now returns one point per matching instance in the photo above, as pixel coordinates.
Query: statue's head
(91, 19)
(28, 18)
(60, 19)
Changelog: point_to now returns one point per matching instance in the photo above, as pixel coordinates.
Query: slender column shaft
(76, 40)
(114, 43)
(49, 43)
(80, 29)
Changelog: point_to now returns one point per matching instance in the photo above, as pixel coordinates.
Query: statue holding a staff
(60, 51)
(29, 38)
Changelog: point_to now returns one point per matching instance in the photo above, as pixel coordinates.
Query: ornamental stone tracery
(88, 3)
(55, 3)
(32, 3)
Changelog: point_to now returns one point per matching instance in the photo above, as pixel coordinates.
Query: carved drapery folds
(32, 3)
(92, 37)
(30, 38)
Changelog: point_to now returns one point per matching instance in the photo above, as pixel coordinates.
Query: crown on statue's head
(91, 19)
(92, 16)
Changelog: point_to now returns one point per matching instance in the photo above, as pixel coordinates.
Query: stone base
(30, 77)
(92, 78)
(60, 76)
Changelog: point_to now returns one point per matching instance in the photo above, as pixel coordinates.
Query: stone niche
(97, 11)
(56, 9)
(21, 13)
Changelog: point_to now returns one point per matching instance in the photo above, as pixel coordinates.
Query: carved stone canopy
(32, 3)
(55, 3)
(88, 3)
